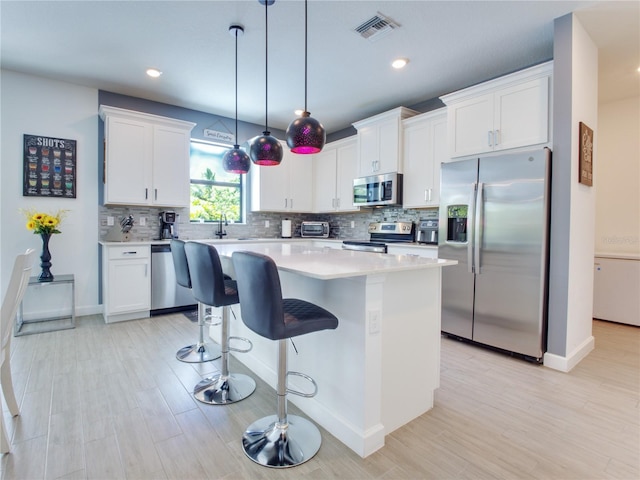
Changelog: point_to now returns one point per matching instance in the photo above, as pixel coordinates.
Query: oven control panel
(391, 227)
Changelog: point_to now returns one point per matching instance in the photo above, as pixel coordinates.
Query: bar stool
(278, 440)
(210, 288)
(202, 351)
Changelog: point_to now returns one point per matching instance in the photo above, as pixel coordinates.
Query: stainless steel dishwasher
(166, 295)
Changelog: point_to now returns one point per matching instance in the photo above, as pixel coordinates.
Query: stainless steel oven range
(382, 233)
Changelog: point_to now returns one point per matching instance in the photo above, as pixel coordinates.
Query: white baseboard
(89, 310)
(565, 364)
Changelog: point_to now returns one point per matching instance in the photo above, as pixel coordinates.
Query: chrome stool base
(221, 390)
(199, 353)
(276, 445)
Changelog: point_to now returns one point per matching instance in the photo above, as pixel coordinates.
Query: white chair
(13, 297)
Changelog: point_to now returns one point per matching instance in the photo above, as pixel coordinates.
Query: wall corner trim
(565, 364)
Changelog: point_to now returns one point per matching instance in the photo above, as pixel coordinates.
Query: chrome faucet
(221, 233)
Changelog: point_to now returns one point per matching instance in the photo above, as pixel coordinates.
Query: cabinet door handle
(429, 190)
(132, 252)
(291, 203)
(155, 193)
(490, 138)
(146, 194)
(337, 202)
(496, 137)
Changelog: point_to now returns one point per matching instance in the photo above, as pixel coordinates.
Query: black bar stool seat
(278, 440)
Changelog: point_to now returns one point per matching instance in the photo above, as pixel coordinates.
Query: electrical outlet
(266, 224)
(109, 221)
(143, 221)
(374, 321)
(353, 224)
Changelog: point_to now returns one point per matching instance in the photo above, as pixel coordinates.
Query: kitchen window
(214, 192)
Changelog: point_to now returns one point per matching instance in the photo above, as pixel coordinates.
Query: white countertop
(329, 263)
(418, 246)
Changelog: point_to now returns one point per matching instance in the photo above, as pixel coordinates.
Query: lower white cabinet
(333, 172)
(425, 148)
(126, 282)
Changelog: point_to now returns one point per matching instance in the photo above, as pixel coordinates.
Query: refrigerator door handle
(470, 230)
(479, 220)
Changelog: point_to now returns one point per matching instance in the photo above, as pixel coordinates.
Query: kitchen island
(378, 370)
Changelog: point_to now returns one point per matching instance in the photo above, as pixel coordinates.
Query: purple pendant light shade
(306, 135)
(236, 160)
(266, 150)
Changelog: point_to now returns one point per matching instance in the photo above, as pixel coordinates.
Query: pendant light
(305, 134)
(236, 160)
(266, 150)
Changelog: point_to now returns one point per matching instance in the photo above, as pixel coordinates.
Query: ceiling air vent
(376, 27)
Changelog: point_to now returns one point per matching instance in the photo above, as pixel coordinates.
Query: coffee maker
(168, 225)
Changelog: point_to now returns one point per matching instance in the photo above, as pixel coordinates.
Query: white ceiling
(450, 44)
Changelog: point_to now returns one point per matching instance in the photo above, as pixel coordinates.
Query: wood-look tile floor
(111, 401)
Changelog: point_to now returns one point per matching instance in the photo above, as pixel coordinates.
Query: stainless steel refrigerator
(494, 220)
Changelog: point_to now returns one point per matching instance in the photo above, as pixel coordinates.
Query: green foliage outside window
(214, 192)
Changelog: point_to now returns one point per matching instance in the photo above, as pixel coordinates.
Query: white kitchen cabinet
(287, 187)
(425, 147)
(146, 159)
(509, 112)
(126, 282)
(333, 172)
(380, 142)
(616, 283)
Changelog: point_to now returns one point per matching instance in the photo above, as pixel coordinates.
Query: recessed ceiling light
(399, 62)
(153, 72)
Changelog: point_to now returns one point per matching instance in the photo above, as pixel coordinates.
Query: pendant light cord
(236, 145)
(305, 55)
(266, 67)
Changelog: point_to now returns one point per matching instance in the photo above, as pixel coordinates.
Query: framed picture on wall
(585, 155)
(49, 167)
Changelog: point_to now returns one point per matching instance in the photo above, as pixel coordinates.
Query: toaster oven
(314, 229)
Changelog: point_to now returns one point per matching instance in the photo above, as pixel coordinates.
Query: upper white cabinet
(333, 172)
(287, 187)
(380, 142)
(425, 148)
(509, 112)
(146, 158)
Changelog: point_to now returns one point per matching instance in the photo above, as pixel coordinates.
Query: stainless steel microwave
(314, 229)
(378, 190)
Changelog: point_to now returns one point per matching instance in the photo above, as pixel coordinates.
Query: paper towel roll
(286, 228)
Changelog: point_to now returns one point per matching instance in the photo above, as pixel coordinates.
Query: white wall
(573, 204)
(583, 199)
(617, 178)
(34, 105)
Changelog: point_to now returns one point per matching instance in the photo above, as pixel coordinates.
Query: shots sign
(49, 167)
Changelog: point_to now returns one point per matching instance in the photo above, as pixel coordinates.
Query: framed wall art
(49, 167)
(585, 155)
